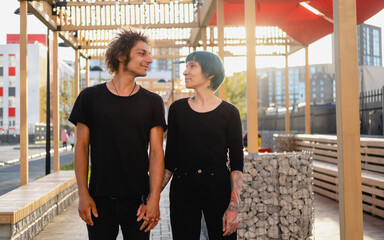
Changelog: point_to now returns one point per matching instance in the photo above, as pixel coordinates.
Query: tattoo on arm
(167, 175)
(237, 182)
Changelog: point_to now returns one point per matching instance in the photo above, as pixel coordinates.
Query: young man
(118, 120)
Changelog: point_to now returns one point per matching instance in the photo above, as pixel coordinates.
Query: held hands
(230, 222)
(150, 213)
(87, 207)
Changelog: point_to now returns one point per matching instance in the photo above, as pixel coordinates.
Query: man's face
(140, 59)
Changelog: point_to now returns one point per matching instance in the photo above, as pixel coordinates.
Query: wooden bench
(324, 150)
(25, 211)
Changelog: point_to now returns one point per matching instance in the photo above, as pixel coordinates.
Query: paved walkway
(68, 226)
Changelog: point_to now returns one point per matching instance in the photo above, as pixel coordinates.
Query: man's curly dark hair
(121, 45)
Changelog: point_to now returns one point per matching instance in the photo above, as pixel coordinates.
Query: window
(12, 60)
(12, 91)
(11, 112)
(368, 43)
(12, 81)
(11, 102)
(376, 42)
(11, 71)
(11, 122)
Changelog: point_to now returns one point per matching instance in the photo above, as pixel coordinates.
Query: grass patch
(67, 167)
(70, 167)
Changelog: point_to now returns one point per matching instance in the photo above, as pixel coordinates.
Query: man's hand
(150, 213)
(87, 207)
(230, 222)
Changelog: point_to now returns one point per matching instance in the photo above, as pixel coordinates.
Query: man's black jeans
(193, 192)
(114, 212)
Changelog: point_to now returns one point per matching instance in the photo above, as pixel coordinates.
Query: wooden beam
(43, 12)
(205, 15)
(144, 26)
(122, 3)
(23, 94)
(250, 25)
(348, 122)
(307, 95)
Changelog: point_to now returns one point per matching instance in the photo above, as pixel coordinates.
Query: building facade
(271, 85)
(369, 45)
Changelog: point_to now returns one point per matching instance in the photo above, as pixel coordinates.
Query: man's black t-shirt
(119, 136)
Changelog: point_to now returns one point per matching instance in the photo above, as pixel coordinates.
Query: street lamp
(17, 12)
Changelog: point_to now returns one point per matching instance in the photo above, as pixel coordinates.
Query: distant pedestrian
(72, 139)
(64, 137)
(204, 133)
(119, 120)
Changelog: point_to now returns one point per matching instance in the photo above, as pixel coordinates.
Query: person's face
(194, 77)
(140, 59)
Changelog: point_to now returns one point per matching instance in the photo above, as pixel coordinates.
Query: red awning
(297, 21)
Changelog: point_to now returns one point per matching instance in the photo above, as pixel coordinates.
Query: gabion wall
(277, 197)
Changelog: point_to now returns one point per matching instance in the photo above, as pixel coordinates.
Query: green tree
(237, 91)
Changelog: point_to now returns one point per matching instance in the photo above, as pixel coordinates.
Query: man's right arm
(87, 205)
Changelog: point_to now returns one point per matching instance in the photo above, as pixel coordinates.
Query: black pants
(115, 212)
(191, 194)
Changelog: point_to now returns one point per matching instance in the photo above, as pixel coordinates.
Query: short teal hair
(211, 65)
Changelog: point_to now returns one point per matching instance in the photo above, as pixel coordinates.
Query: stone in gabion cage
(277, 197)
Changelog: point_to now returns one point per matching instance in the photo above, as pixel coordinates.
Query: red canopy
(297, 21)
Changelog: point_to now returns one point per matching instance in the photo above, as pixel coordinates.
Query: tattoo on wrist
(233, 204)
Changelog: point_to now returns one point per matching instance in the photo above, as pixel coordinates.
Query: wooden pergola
(179, 27)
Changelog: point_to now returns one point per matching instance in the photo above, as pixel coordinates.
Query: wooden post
(307, 95)
(204, 37)
(87, 72)
(55, 102)
(77, 72)
(347, 118)
(220, 40)
(23, 94)
(287, 114)
(250, 25)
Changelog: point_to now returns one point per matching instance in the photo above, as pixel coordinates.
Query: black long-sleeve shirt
(202, 140)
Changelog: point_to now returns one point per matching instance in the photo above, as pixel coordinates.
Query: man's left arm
(151, 211)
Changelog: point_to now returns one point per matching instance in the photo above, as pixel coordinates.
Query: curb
(33, 156)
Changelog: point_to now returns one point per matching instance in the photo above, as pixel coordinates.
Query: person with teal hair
(204, 154)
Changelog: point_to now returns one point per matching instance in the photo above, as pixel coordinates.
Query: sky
(319, 52)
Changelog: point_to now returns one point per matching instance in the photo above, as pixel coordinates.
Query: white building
(37, 78)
